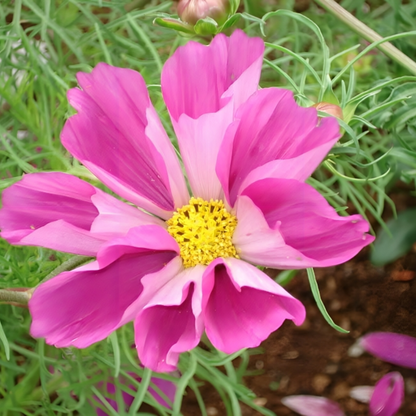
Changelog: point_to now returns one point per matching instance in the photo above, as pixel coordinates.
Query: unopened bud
(190, 11)
(331, 109)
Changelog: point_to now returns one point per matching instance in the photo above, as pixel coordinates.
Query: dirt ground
(313, 359)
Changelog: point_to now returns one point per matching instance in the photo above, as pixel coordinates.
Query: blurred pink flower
(167, 387)
(179, 265)
(385, 399)
(391, 347)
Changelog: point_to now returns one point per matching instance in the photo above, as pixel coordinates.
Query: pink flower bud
(331, 109)
(190, 11)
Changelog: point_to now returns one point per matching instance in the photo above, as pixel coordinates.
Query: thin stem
(70, 264)
(17, 298)
(21, 297)
(369, 34)
(141, 391)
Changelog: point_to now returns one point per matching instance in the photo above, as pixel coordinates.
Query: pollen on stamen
(204, 231)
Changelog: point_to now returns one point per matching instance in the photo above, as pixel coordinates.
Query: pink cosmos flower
(175, 261)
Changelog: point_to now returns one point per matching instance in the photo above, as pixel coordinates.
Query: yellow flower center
(203, 230)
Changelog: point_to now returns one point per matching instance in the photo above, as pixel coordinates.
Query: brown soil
(313, 359)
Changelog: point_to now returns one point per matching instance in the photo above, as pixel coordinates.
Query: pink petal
(199, 141)
(307, 222)
(202, 87)
(157, 134)
(84, 306)
(391, 347)
(61, 236)
(312, 406)
(272, 127)
(171, 322)
(299, 167)
(152, 238)
(52, 210)
(258, 243)
(242, 305)
(136, 158)
(200, 79)
(116, 218)
(388, 395)
(146, 237)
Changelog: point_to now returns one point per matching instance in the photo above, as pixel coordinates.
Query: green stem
(54, 384)
(14, 297)
(70, 264)
(369, 34)
(141, 391)
(21, 297)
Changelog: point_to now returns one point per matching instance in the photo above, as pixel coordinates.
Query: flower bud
(190, 11)
(331, 109)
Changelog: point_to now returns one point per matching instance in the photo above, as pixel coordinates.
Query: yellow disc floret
(204, 231)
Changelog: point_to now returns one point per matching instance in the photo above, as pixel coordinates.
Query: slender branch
(15, 297)
(70, 264)
(21, 296)
(369, 34)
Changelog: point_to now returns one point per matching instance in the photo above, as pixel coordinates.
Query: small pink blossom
(178, 265)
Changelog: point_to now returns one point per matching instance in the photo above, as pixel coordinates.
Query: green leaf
(116, 351)
(141, 391)
(254, 7)
(320, 304)
(174, 24)
(234, 4)
(5, 342)
(284, 277)
(329, 96)
(207, 26)
(388, 248)
(231, 21)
